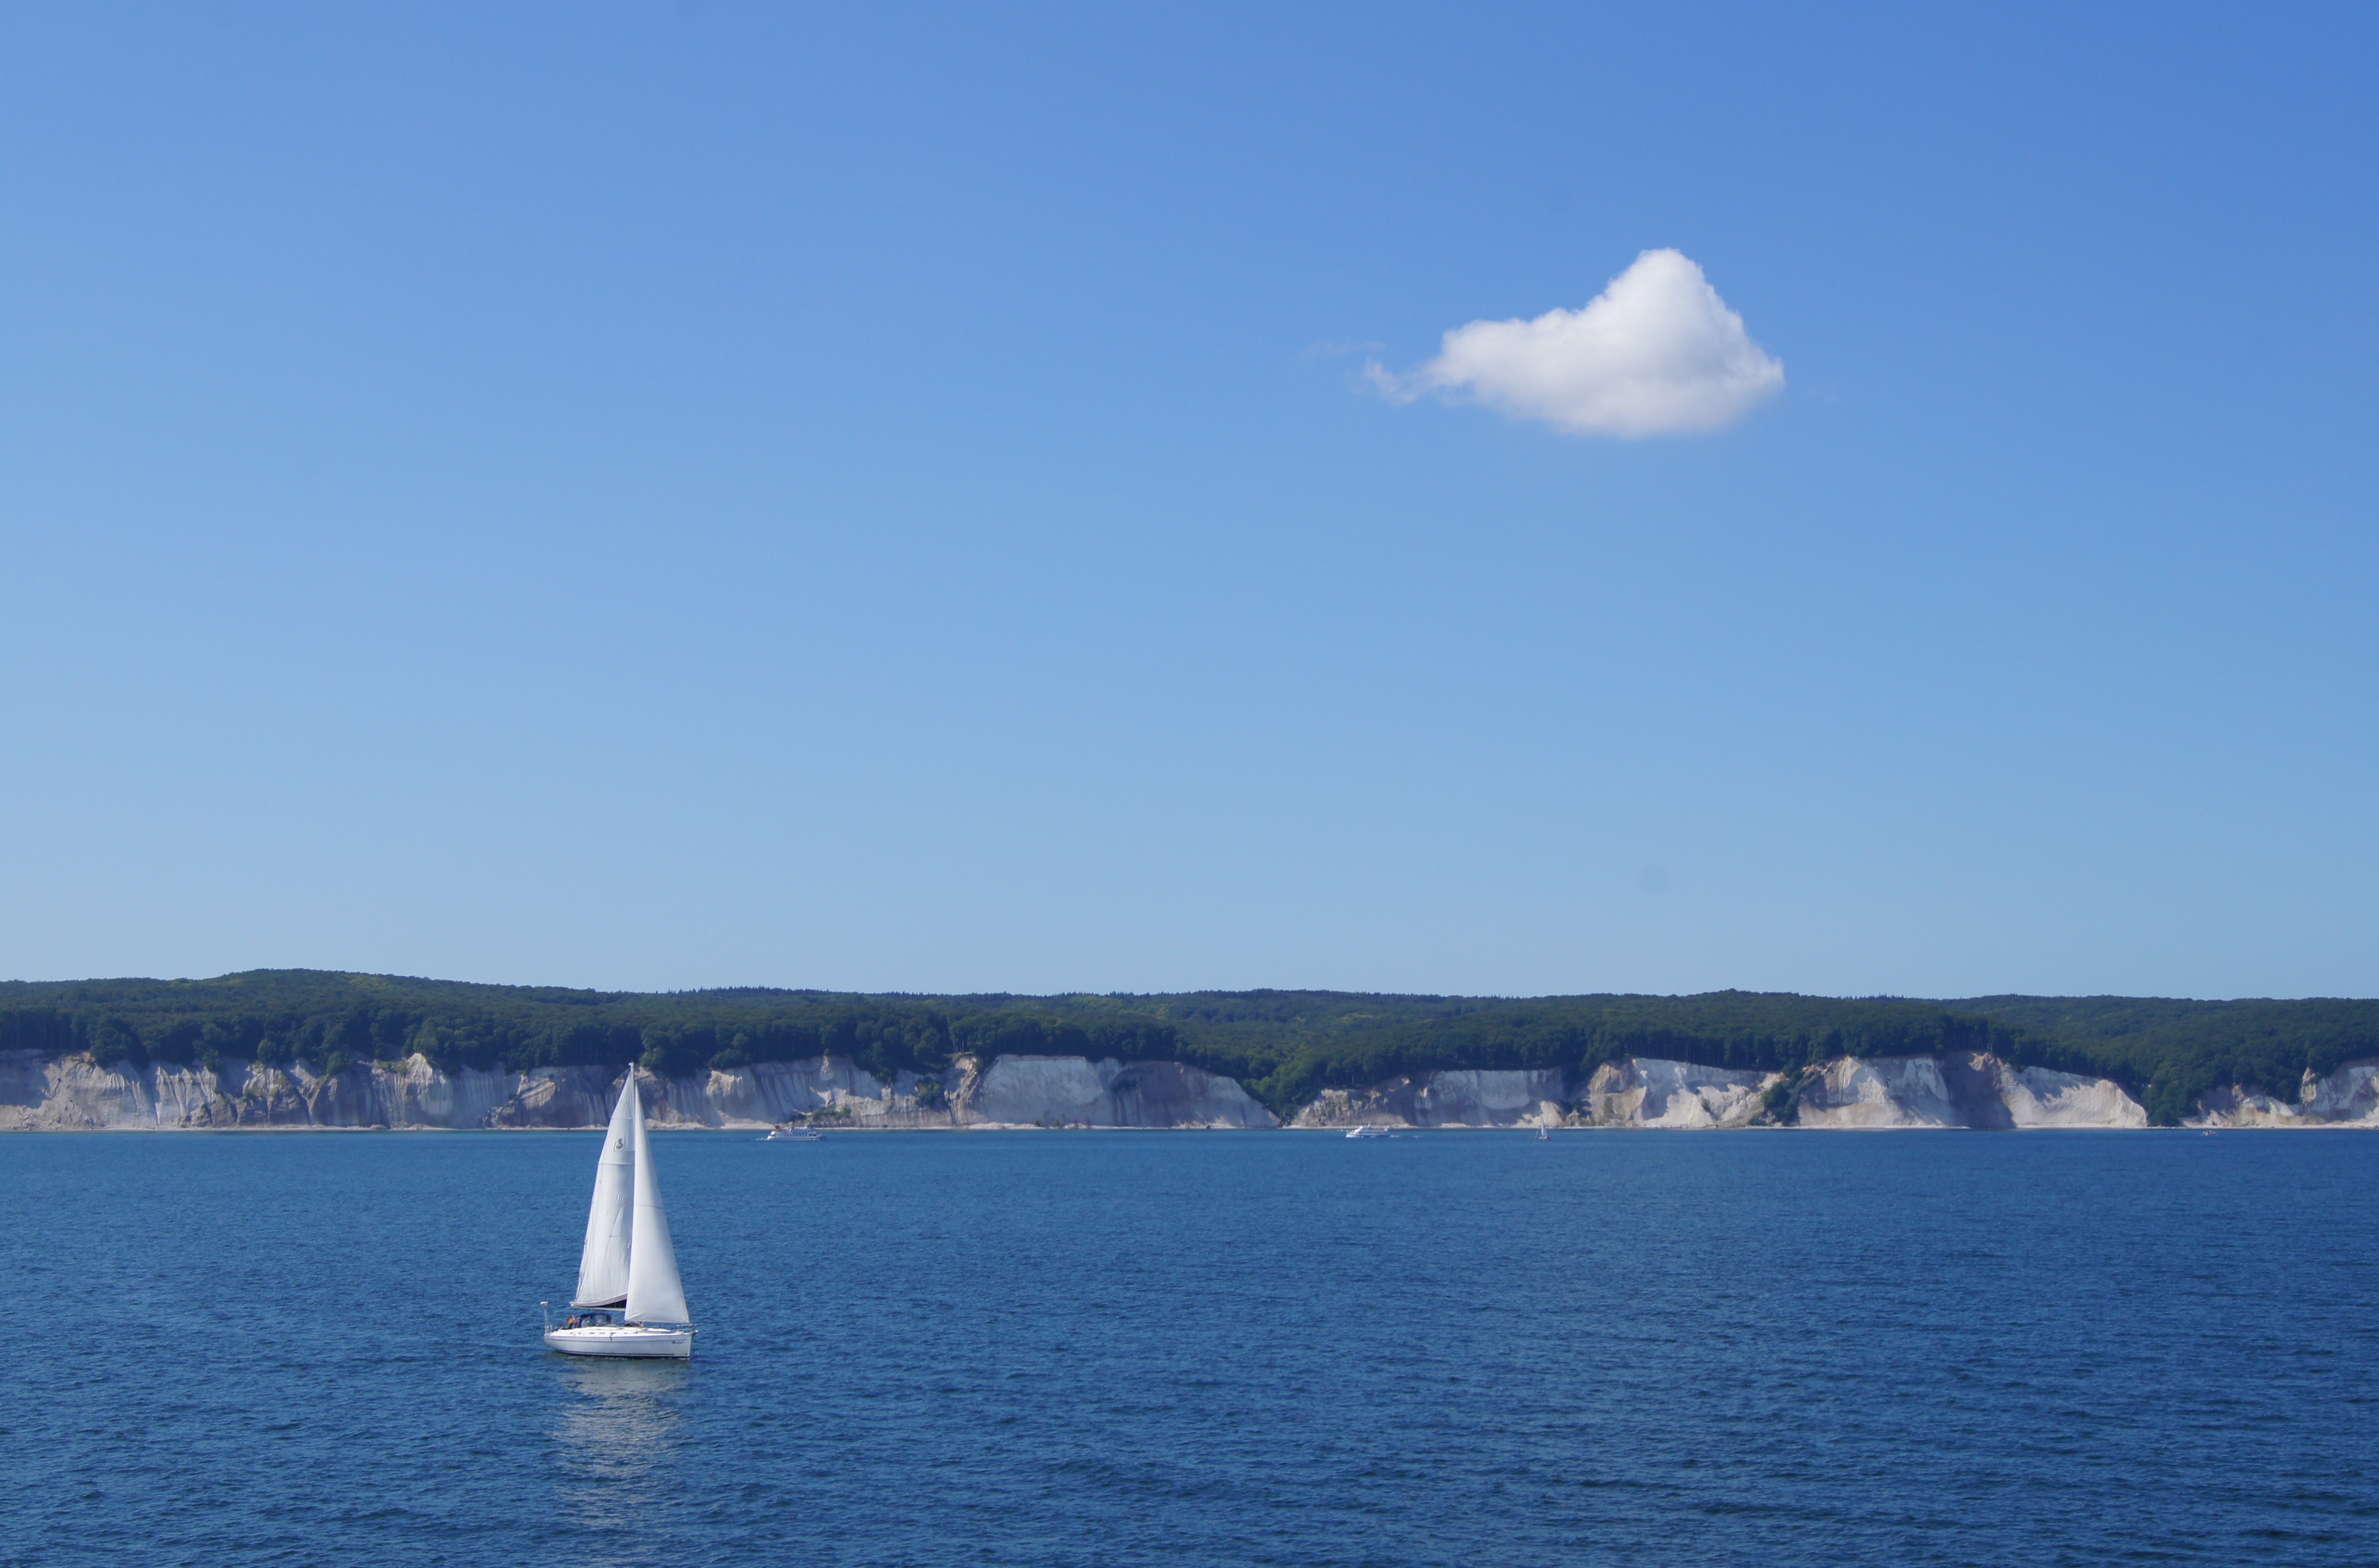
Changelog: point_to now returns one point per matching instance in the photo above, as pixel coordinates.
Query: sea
(1106, 1348)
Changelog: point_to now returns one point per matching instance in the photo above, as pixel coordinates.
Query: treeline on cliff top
(1284, 1046)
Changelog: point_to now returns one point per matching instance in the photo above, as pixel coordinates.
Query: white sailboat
(630, 1300)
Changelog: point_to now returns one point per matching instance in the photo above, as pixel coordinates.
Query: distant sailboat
(628, 1284)
(1544, 1128)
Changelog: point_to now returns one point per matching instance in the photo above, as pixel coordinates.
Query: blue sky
(658, 497)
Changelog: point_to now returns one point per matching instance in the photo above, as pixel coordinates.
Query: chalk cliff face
(1976, 1091)
(1444, 1099)
(2040, 1097)
(75, 1091)
(75, 1094)
(1046, 1091)
(1884, 1092)
(2349, 1097)
(1646, 1091)
(1960, 1091)
(776, 1091)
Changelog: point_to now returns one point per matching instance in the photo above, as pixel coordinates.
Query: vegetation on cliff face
(2175, 1050)
(1284, 1046)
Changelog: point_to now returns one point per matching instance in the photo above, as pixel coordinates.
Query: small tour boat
(793, 1135)
(1368, 1132)
(630, 1300)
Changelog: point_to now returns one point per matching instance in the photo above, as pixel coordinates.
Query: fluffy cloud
(1656, 353)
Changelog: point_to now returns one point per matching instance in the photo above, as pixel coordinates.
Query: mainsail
(656, 1295)
(603, 1267)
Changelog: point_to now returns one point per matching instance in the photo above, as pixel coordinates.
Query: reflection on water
(617, 1437)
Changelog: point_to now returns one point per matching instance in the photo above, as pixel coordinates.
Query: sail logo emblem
(619, 1143)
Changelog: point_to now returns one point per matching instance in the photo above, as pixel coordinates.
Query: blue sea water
(1118, 1348)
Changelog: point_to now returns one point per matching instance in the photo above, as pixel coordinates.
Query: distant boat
(793, 1135)
(630, 1300)
(1368, 1132)
(1544, 1128)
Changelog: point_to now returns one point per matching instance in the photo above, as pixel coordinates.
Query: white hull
(624, 1341)
(628, 1281)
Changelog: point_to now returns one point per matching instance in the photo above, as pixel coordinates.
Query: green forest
(1284, 1046)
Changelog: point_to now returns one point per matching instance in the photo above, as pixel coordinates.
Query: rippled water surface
(1104, 1348)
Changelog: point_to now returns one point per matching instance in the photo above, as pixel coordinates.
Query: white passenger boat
(793, 1135)
(1367, 1133)
(630, 1300)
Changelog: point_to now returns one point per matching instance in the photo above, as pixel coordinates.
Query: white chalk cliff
(1062, 1091)
(1646, 1092)
(1460, 1098)
(75, 1094)
(1960, 1091)
(2349, 1097)
(1974, 1091)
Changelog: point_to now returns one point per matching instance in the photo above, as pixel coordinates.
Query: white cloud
(1656, 353)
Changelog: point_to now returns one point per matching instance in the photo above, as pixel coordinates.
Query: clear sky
(984, 499)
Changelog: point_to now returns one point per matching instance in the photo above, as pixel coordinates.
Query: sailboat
(630, 1300)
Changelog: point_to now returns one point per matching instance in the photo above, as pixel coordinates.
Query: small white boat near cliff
(630, 1300)
(1367, 1133)
(793, 1135)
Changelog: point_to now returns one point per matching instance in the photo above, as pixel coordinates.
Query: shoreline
(1962, 1091)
